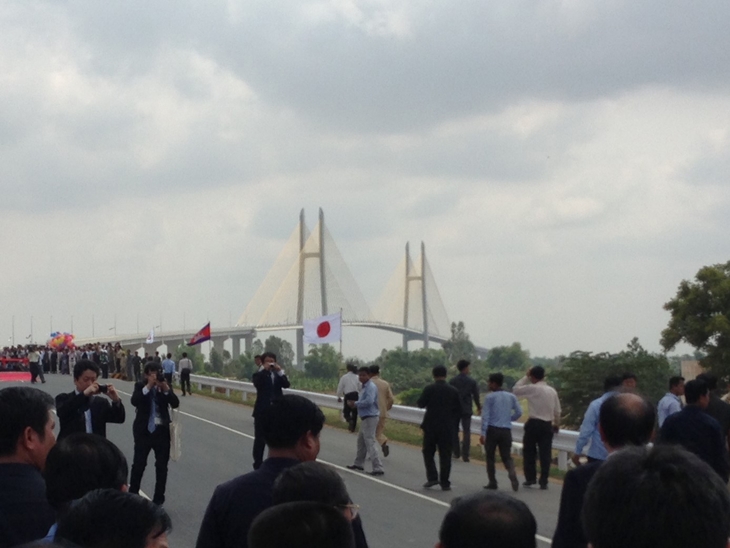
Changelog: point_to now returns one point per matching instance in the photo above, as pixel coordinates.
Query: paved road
(217, 439)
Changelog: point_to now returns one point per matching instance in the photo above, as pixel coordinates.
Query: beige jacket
(385, 395)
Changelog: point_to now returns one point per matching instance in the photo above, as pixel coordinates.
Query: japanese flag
(325, 329)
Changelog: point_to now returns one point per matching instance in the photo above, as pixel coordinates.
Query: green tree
(216, 361)
(193, 354)
(246, 366)
(404, 370)
(257, 348)
(701, 317)
(283, 350)
(322, 362)
(459, 347)
(508, 357)
(580, 379)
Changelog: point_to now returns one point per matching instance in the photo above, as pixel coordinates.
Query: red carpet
(14, 376)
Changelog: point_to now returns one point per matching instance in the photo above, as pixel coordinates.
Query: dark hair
(439, 371)
(611, 382)
(695, 389)
(169, 355)
(538, 371)
(374, 369)
(22, 407)
(108, 518)
(462, 364)
(709, 379)
(675, 381)
(663, 496)
(627, 419)
(303, 524)
(488, 519)
(351, 367)
(628, 375)
(496, 378)
(364, 369)
(185, 354)
(288, 418)
(84, 365)
(258, 356)
(268, 355)
(311, 481)
(151, 366)
(80, 463)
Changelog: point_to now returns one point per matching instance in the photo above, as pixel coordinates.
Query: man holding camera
(85, 409)
(151, 428)
(269, 381)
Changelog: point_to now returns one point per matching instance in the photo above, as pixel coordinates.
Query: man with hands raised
(86, 409)
(269, 381)
(151, 429)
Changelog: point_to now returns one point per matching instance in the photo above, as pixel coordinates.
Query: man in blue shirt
(499, 410)
(168, 369)
(589, 428)
(670, 403)
(369, 413)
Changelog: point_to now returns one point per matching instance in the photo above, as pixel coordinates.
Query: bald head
(626, 419)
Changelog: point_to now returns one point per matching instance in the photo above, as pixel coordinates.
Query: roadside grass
(401, 432)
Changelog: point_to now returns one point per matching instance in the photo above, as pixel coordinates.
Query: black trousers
(35, 372)
(350, 413)
(159, 442)
(185, 380)
(499, 438)
(104, 370)
(463, 449)
(538, 438)
(441, 440)
(259, 443)
(168, 379)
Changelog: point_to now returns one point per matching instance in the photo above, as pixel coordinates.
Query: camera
(160, 376)
(103, 388)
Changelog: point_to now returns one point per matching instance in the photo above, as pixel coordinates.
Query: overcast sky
(565, 162)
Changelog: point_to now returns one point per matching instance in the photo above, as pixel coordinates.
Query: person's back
(301, 524)
(661, 497)
(108, 518)
(291, 426)
(697, 431)
(487, 519)
(624, 420)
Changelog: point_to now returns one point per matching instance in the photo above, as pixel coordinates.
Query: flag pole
(340, 331)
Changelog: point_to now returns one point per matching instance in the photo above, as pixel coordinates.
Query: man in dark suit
(151, 428)
(291, 427)
(84, 409)
(468, 393)
(443, 408)
(624, 420)
(697, 431)
(269, 382)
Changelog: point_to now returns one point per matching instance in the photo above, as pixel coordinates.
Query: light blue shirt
(168, 366)
(589, 430)
(367, 403)
(668, 405)
(500, 409)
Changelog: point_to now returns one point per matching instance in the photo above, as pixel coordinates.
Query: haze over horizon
(566, 163)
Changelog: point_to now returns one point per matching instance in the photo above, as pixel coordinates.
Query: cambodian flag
(201, 336)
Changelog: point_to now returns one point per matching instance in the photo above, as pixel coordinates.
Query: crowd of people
(626, 494)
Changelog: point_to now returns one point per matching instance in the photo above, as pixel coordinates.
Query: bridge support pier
(248, 340)
(235, 347)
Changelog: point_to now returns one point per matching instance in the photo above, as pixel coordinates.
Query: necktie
(153, 412)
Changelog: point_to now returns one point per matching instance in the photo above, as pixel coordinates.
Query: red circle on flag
(323, 329)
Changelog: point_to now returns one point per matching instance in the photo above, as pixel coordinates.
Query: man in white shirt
(544, 421)
(671, 403)
(186, 366)
(349, 388)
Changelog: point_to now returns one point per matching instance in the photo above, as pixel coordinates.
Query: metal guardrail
(564, 441)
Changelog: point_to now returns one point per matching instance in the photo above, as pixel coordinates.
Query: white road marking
(342, 469)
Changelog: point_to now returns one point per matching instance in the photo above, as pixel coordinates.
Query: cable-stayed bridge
(310, 279)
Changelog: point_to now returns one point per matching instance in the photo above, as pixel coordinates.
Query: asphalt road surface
(217, 439)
